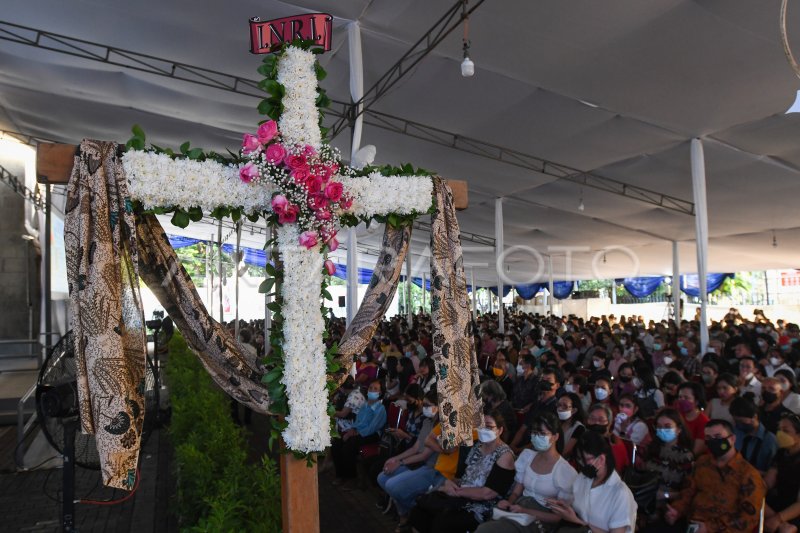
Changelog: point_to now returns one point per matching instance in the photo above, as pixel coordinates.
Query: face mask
(363, 358)
(600, 429)
(569, 388)
(543, 343)
(637, 383)
(680, 344)
(600, 394)
(408, 353)
(743, 427)
(621, 418)
(383, 366)
(718, 447)
(684, 406)
(486, 435)
(784, 387)
(545, 386)
(769, 397)
(597, 363)
(784, 439)
(541, 443)
(520, 369)
(774, 361)
(626, 379)
(668, 361)
(506, 343)
(748, 376)
(428, 411)
(564, 415)
(762, 344)
(667, 434)
(498, 372)
(589, 471)
(372, 395)
(684, 352)
(657, 346)
(623, 342)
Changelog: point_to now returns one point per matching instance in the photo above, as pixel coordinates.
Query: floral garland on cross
(285, 173)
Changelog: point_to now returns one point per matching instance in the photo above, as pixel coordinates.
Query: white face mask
(748, 376)
(363, 358)
(543, 343)
(569, 388)
(520, 369)
(600, 394)
(487, 435)
(668, 361)
(506, 343)
(623, 341)
(597, 363)
(428, 411)
(564, 415)
(774, 361)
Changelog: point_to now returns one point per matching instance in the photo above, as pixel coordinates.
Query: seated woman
(458, 506)
(367, 369)
(601, 501)
(783, 479)
(599, 420)
(691, 399)
(541, 473)
(727, 390)
(402, 438)
(570, 414)
(790, 398)
(670, 455)
(398, 480)
(367, 428)
(426, 378)
(628, 425)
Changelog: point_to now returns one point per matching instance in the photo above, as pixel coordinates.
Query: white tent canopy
(615, 88)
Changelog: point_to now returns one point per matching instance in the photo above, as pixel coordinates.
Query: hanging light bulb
(581, 207)
(604, 257)
(467, 66)
(774, 240)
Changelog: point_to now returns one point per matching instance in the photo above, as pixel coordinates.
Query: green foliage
(217, 489)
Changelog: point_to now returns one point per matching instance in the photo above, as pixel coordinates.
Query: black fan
(57, 402)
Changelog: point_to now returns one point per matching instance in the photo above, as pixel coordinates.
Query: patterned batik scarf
(105, 308)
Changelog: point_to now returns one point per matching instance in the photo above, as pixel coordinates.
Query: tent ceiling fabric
(617, 88)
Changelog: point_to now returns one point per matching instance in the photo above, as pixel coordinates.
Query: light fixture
(604, 257)
(467, 66)
(774, 240)
(581, 207)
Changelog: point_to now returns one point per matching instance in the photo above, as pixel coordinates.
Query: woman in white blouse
(791, 400)
(601, 500)
(541, 474)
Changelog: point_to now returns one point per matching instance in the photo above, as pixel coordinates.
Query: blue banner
(181, 242)
(690, 283)
(506, 290)
(641, 287)
(562, 289)
(526, 292)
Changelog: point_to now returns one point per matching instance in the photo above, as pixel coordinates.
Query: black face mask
(600, 429)
(589, 471)
(718, 447)
(545, 386)
(769, 397)
(625, 379)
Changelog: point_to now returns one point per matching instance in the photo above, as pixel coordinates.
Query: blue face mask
(372, 395)
(408, 354)
(684, 352)
(657, 347)
(680, 344)
(667, 434)
(540, 443)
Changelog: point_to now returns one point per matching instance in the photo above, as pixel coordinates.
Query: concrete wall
(14, 269)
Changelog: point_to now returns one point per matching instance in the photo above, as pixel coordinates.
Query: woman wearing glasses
(541, 474)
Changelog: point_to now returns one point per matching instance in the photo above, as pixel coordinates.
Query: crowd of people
(589, 425)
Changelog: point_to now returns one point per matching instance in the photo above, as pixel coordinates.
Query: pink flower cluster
(306, 193)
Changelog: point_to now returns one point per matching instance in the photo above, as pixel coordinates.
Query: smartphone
(693, 528)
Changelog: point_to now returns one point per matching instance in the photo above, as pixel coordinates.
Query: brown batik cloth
(379, 295)
(216, 348)
(453, 352)
(106, 309)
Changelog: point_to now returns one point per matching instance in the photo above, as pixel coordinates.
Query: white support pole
(613, 292)
(499, 260)
(701, 226)
(352, 275)
(424, 293)
(221, 273)
(236, 260)
(550, 283)
(491, 302)
(676, 284)
(474, 295)
(409, 305)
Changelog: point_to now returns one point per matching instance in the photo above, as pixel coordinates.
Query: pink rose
(300, 175)
(317, 201)
(330, 267)
(279, 203)
(346, 202)
(275, 153)
(248, 173)
(267, 131)
(296, 161)
(323, 214)
(309, 150)
(250, 143)
(314, 184)
(289, 215)
(333, 191)
(309, 239)
(332, 243)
